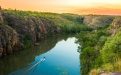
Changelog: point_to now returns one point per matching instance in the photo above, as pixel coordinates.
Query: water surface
(61, 58)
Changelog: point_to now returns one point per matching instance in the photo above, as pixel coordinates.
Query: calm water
(61, 58)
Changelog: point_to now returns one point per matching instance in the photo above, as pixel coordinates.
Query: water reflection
(21, 59)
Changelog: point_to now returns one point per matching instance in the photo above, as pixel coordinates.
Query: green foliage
(98, 48)
(5, 23)
(88, 59)
(88, 52)
(69, 23)
(100, 51)
(27, 41)
(111, 48)
(91, 42)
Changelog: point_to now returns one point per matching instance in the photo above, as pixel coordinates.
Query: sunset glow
(103, 7)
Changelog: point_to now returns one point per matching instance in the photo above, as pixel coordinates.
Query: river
(59, 53)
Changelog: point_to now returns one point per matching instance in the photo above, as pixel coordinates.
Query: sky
(101, 7)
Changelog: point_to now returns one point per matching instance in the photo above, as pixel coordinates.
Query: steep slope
(22, 29)
(96, 21)
(115, 27)
(26, 28)
(101, 48)
(17, 32)
(8, 37)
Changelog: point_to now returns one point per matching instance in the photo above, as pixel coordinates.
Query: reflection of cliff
(23, 58)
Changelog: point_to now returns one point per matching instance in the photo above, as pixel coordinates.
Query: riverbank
(23, 29)
(24, 58)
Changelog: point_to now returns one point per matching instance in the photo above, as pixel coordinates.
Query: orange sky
(103, 7)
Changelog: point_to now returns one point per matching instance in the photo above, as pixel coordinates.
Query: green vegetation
(100, 50)
(27, 41)
(5, 23)
(69, 23)
(91, 43)
(100, 44)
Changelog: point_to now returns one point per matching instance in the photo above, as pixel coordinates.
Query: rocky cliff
(95, 21)
(115, 26)
(22, 29)
(17, 33)
(9, 39)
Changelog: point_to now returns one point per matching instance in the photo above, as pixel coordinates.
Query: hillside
(22, 29)
(101, 46)
(98, 35)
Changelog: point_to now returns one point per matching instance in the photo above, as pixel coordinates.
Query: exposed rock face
(115, 26)
(97, 21)
(13, 62)
(111, 73)
(1, 17)
(9, 40)
(35, 27)
(16, 31)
